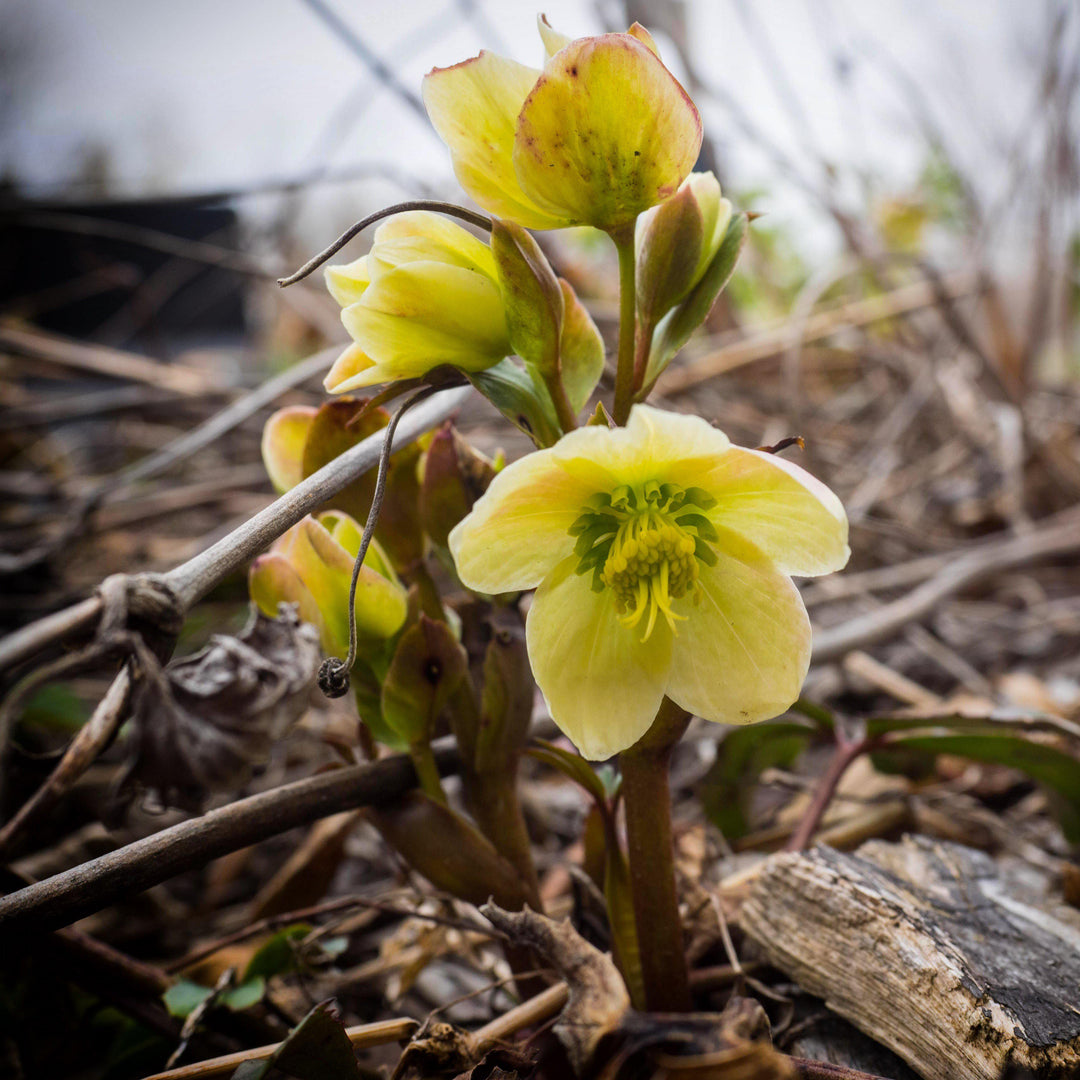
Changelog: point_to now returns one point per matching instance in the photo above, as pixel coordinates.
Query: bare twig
(1061, 538)
(65, 897)
(361, 1037)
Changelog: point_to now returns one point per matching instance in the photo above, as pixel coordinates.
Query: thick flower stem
(493, 801)
(647, 797)
(624, 374)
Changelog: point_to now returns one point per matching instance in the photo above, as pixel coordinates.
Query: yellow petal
(352, 369)
(348, 281)
(520, 527)
(653, 442)
(428, 313)
(474, 107)
(272, 581)
(326, 569)
(602, 684)
(606, 133)
(638, 31)
(553, 40)
(743, 652)
(425, 236)
(283, 438)
(792, 517)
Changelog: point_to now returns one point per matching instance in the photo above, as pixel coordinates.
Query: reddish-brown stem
(846, 752)
(651, 849)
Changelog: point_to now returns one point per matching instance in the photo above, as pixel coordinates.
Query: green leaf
(317, 1049)
(276, 956)
(249, 992)
(741, 756)
(1052, 769)
(675, 328)
(520, 399)
(184, 997)
(572, 766)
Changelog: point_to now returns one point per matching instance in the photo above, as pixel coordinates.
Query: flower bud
(427, 294)
(676, 242)
(311, 566)
(454, 477)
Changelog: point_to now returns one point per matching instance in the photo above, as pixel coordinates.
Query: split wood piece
(924, 947)
(361, 1037)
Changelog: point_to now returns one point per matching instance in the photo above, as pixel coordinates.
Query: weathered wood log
(927, 948)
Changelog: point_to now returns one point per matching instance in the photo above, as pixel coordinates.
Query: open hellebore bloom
(602, 133)
(426, 294)
(662, 555)
(311, 566)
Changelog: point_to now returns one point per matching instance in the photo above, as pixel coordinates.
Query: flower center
(645, 543)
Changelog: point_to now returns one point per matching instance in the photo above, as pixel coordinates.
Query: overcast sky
(183, 97)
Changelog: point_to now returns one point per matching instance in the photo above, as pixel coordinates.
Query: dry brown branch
(60, 900)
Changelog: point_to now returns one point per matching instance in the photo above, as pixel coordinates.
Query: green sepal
(455, 476)
(521, 398)
(581, 350)
(532, 297)
(506, 700)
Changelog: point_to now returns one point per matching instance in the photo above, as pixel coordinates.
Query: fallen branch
(64, 898)
(1061, 538)
(362, 1036)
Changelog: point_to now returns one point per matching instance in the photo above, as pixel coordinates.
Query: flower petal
(474, 106)
(520, 527)
(283, 438)
(602, 684)
(347, 281)
(424, 314)
(272, 581)
(650, 447)
(606, 133)
(353, 369)
(421, 235)
(792, 517)
(553, 40)
(744, 650)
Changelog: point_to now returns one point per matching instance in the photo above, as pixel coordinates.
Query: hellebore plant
(661, 554)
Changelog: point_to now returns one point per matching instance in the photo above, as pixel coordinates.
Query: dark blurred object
(92, 269)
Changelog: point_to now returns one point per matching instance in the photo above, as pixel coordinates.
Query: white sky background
(205, 94)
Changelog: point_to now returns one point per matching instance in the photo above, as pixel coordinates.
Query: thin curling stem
(334, 673)
(481, 221)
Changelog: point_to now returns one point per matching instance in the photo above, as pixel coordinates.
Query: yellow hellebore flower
(311, 566)
(602, 133)
(426, 294)
(662, 555)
